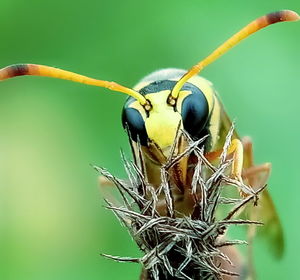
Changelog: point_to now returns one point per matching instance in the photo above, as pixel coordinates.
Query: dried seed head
(176, 246)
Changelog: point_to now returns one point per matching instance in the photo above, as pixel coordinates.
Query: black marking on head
(19, 70)
(157, 86)
(195, 114)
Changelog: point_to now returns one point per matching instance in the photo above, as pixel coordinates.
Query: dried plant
(176, 246)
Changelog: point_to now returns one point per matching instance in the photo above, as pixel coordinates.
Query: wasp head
(160, 123)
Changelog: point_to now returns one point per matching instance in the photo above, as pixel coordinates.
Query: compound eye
(195, 112)
(134, 122)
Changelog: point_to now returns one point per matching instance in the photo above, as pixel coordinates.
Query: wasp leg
(256, 176)
(237, 151)
(248, 151)
(104, 182)
(243, 167)
(106, 186)
(236, 148)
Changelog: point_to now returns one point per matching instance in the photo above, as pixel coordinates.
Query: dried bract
(176, 246)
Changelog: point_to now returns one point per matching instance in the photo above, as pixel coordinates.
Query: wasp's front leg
(243, 167)
(236, 150)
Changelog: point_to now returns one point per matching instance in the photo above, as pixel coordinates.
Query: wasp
(170, 100)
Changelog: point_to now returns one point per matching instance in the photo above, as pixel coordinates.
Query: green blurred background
(52, 221)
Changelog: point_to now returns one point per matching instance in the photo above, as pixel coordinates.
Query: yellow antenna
(252, 27)
(47, 71)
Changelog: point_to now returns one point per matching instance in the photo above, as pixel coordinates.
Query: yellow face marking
(163, 121)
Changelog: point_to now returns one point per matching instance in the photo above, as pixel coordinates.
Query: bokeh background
(52, 221)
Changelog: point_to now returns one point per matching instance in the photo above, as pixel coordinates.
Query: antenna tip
(284, 15)
(291, 15)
